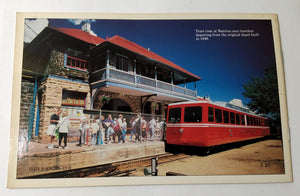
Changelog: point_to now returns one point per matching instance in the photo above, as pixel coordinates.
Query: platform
(40, 160)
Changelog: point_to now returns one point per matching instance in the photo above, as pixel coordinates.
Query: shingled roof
(81, 35)
(122, 42)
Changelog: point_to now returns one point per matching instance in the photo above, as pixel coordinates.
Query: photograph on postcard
(107, 97)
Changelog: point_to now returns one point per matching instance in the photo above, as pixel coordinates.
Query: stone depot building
(75, 70)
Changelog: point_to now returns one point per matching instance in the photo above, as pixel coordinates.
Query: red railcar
(205, 124)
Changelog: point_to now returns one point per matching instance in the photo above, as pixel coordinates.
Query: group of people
(103, 130)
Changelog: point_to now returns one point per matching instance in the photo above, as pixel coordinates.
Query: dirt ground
(264, 157)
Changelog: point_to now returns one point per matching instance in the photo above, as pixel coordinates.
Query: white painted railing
(133, 79)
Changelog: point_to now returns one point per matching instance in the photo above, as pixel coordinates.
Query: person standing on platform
(95, 130)
(64, 124)
(100, 133)
(108, 123)
(133, 131)
(137, 127)
(118, 129)
(152, 127)
(83, 130)
(110, 132)
(144, 129)
(54, 119)
(124, 128)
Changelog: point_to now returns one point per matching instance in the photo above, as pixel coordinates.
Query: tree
(263, 94)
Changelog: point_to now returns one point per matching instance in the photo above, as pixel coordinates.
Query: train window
(254, 121)
(242, 119)
(232, 119)
(193, 114)
(248, 120)
(218, 114)
(226, 117)
(174, 115)
(211, 114)
(238, 120)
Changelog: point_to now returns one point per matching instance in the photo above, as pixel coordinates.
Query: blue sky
(223, 63)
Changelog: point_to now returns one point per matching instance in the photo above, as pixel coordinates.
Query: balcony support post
(134, 70)
(195, 88)
(107, 64)
(184, 87)
(172, 84)
(155, 77)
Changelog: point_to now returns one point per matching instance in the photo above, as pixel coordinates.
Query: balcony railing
(75, 63)
(132, 79)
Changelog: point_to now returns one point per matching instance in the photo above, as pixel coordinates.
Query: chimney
(86, 27)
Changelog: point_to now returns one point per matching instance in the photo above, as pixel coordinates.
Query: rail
(133, 79)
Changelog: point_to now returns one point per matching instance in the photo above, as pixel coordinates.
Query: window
(226, 117)
(122, 62)
(193, 114)
(248, 120)
(242, 119)
(255, 121)
(218, 114)
(75, 63)
(210, 114)
(238, 119)
(232, 118)
(147, 107)
(73, 98)
(157, 109)
(262, 122)
(174, 115)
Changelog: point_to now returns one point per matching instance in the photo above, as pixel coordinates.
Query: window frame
(68, 63)
(227, 119)
(211, 117)
(232, 118)
(180, 112)
(218, 115)
(186, 113)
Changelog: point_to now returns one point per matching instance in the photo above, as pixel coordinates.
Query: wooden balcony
(134, 80)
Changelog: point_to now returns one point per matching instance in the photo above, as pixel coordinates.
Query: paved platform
(40, 160)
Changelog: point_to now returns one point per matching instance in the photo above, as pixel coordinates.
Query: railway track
(125, 168)
(117, 169)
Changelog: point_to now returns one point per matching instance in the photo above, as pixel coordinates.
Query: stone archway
(116, 101)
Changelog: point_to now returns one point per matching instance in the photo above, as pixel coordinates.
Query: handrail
(148, 82)
(98, 70)
(77, 59)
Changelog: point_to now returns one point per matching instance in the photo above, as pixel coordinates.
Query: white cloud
(79, 21)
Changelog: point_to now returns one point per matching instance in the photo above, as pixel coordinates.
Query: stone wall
(27, 90)
(56, 67)
(51, 99)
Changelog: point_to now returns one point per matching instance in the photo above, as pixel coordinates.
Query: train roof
(219, 104)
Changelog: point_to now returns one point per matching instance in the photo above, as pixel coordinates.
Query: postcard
(138, 99)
